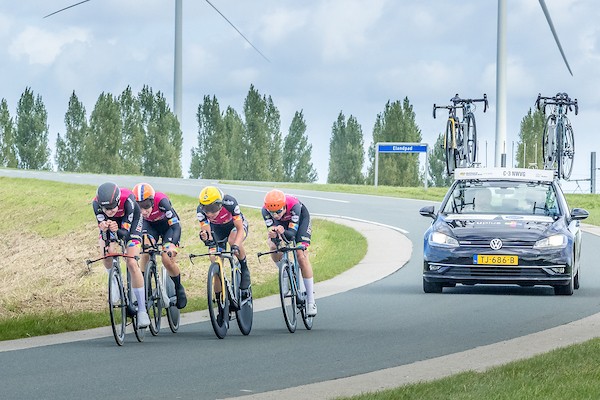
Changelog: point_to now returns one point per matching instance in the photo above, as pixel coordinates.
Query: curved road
(384, 324)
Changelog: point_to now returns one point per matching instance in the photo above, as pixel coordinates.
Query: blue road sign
(402, 148)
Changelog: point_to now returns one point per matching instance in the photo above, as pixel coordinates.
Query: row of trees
(138, 134)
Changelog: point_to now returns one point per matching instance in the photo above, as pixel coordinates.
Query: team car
(503, 226)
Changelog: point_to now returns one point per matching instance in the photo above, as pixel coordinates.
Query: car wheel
(565, 290)
(576, 280)
(432, 287)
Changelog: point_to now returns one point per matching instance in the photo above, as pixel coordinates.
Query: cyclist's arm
(172, 218)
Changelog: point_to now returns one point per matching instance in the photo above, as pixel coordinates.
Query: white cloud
(279, 24)
(43, 47)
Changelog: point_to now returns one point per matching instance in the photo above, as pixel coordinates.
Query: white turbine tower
(500, 156)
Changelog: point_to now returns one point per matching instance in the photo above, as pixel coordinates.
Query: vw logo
(496, 244)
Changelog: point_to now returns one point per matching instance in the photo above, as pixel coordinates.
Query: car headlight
(442, 239)
(551, 241)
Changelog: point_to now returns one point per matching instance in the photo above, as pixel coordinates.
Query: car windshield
(502, 197)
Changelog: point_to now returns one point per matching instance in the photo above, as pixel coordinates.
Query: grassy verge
(572, 372)
(51, 230)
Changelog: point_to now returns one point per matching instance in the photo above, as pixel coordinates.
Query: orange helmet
(274, 200)
(144, 194)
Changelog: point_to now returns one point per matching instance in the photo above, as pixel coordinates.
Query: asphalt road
(387, 323)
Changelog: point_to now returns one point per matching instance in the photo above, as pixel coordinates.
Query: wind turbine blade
(547, 14)
(66, 8)
(238, 31)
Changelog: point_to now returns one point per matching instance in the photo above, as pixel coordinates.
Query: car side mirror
(579, 214)
(428, 211)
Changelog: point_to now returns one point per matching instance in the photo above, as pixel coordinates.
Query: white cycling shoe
(143, 321)
(311, 310)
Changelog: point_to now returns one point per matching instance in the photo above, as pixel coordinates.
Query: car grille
(485, 243)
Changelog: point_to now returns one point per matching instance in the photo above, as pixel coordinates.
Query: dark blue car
(503, 226)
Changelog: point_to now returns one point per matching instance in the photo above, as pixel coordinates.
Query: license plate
(495, 259)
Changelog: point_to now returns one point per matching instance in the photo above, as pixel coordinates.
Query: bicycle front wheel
(116, 305)
(549, 150)
(568, 152)
(450, 151)
(471, 139)
(218, 302)
(153, 297)
(287, 296)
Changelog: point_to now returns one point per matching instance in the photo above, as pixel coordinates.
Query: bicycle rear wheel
(568, 152)
(173, 313)
(549, 144)
(245, 313)
(450, 151)
(116, 305)
(287, 296)
(153, 297)
(471, 139)
(218, 302)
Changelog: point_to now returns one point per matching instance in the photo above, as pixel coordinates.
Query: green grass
(571, 372)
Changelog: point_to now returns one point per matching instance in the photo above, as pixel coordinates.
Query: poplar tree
(396, 124)
(437, 165)
(234, 129)
(529, 149)
(132, 131)
(69, 150)
(257, 140)
(8, 157)
(275, 143)
(102, 145)
(297, 165)
(31, 135)
(346, 153)
(209, 158)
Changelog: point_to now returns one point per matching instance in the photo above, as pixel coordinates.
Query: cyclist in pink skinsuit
(286, 216)
(116, 211)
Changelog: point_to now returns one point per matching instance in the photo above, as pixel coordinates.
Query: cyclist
(220, 214)
(286, 215)
(161, 220)
(117, 212)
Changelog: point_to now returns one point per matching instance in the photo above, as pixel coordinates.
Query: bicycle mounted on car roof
(121, 302)
(224, 295)
(558, 141)
(460, 138)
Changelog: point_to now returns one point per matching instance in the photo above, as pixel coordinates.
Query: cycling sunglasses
(277, 212)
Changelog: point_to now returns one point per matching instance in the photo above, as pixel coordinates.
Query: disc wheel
(116, 305)
(287, 297)
(173, 313)
(218, 302)
(245, 313)
(153, 297)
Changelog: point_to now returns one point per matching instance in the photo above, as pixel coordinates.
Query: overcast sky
(324, 57)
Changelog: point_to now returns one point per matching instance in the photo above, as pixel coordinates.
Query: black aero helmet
(108, 195)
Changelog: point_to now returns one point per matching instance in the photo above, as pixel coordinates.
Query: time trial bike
(160, 289)
(225, 297)
(558, 140)
(291, 286)
(121, 301)
(460, 138)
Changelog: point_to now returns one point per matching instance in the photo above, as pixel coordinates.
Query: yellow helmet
(211, 199)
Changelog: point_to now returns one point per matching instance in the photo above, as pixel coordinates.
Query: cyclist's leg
(241, 256)
(169, 258)
(133, 247)
(303, 237)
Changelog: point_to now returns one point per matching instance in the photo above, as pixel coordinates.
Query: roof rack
(513, 174)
